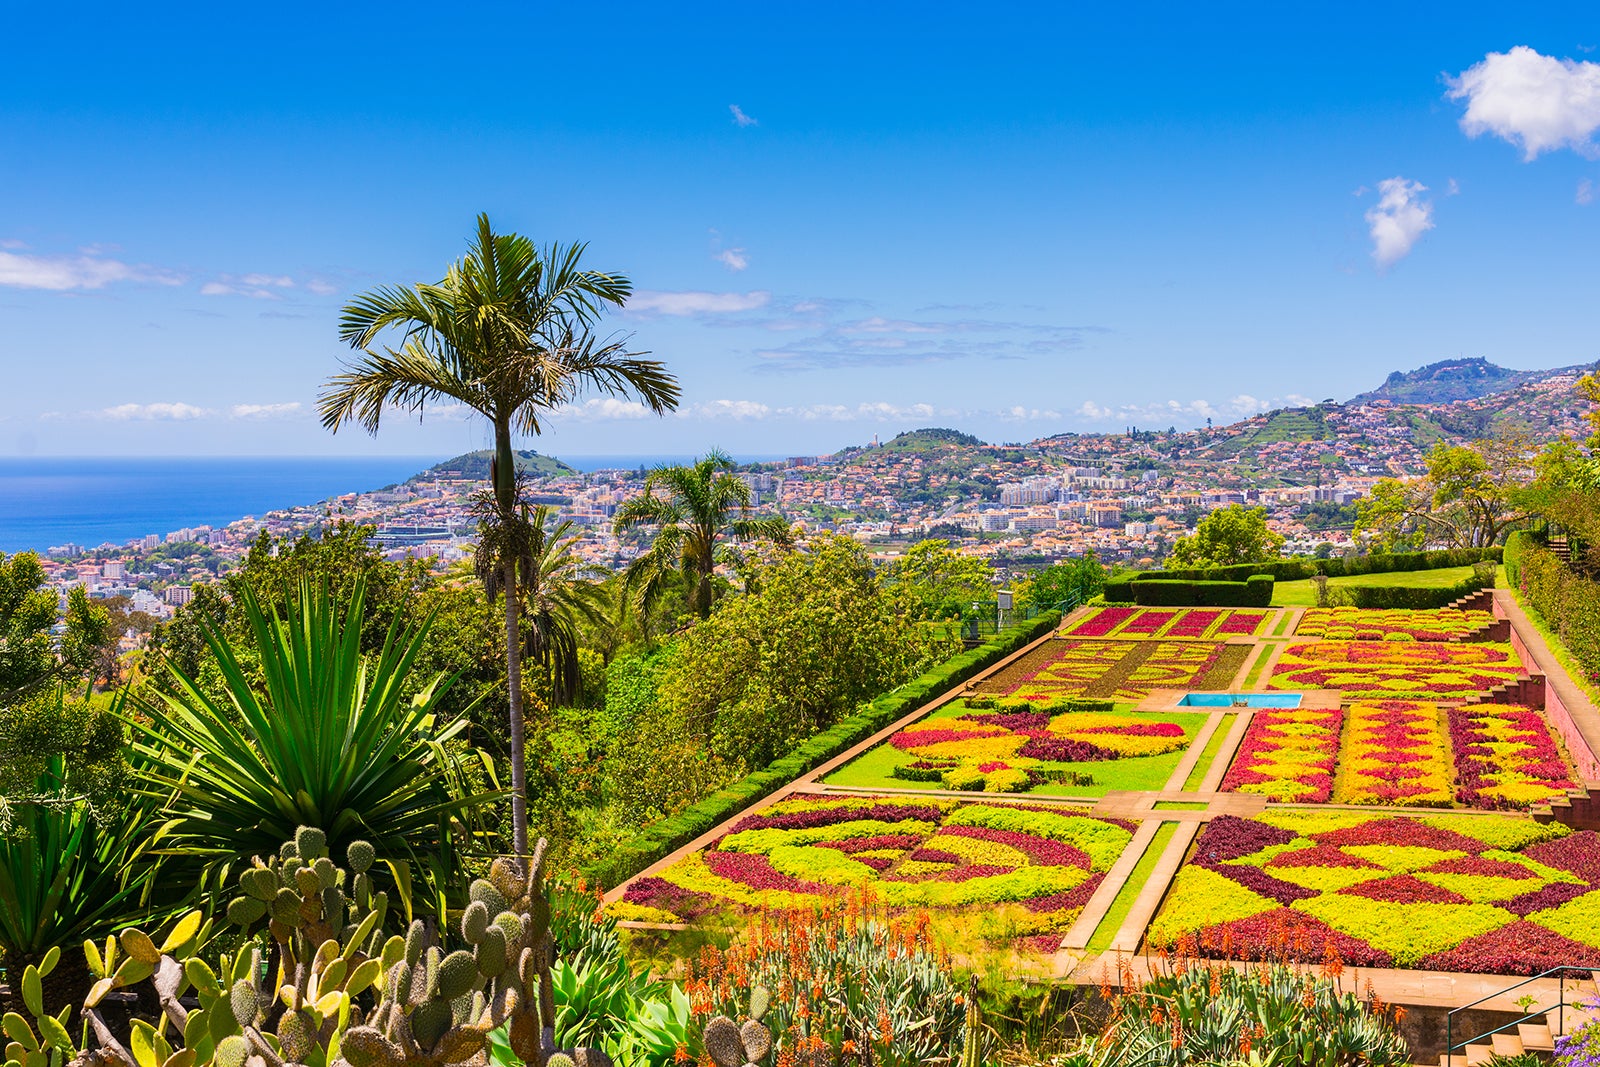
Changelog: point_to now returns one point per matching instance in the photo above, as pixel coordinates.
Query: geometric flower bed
(1495, 894)
(1365, 624)
(1188, 623)
(1379, 669)
(1505, 757)
(1394, 752)
(1287, 755)
(1018, 745)
(939, 854)
(1118, 670)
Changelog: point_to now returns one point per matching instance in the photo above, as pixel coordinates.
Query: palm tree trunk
(519, 779)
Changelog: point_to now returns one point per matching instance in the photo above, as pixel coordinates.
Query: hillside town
(1126, 497)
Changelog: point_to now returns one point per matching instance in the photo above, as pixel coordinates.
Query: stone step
(1536, 1037)
(1506, 1044)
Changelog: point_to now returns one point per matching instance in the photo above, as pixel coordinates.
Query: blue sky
(842, 219)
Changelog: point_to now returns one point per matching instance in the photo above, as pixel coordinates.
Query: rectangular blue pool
(1240, 700)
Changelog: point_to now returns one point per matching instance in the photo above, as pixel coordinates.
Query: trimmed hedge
(663, 837)
(1517, 543)
(1118, 592)
(1568, 602)
(1289, 570)
(1395, 596)
(1254, 592)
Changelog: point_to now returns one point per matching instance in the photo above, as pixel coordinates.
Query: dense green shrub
(658, 840)
(1253, 592)
(1290, 570)
(1568, 602)
(1118, 592)
(1518, 542)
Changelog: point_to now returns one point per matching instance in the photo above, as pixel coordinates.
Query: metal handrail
(1560, 1007)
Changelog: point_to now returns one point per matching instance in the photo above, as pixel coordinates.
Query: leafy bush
(1568, 602)
(1119, 591)
(1387, 597)
(658, 840)
(1290, 570)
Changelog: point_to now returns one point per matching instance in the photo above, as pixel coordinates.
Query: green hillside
(475, 465)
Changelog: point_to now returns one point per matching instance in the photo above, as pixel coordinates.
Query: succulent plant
(730, 1044)
(437, 1010)
(46, 1042)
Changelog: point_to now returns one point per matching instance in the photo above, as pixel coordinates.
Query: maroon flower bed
(660, 893)
(1259, 881)
(1138, 729)
(1228, 837)
(756, 871)
(1045, 944)
(1482, 866)
(1403, 832)
(1104, 622)
(1041, 850)
(1194, 624)
(1262, 739)
(959, 874)
(804, 820)
(1520, 948)
(1578, 853)
(1404, 889)
(1551, 896)
(1075, 897)
(1285, 934)
(906, 740)
(1475, 760)
(852, 845)
(933, 855)
(877, 863)
(1058, 749)
(1323, 855)
(1149, 623)
(1017, 721)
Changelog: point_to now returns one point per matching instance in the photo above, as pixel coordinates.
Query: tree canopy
(1230, 535)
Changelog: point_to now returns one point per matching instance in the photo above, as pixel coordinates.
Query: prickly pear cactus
(45, 1042)
(438, 1009)
(325, 921)
(731, 1045)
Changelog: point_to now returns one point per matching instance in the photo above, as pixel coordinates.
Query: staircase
(1561, 547)
(1537, 1030)
(1527, 1037)
(1579, 809)
(1482, 600)
(1527, 692)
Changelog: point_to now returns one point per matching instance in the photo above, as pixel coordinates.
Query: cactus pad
(360, 856)
(491, 897)
(760, 1000)
(457, 973)
(429, 1022)
(296, 1035)
(474, 921)
(722, 1042)
(756, 1038)
(231, 1052)
(310, 842)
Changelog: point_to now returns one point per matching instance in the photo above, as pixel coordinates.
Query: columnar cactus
(437, 1010)
(731, 1045)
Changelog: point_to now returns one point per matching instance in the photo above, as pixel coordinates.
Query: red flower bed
(1103, 622)
(1022, 721)
(1409, 832)
(1519, 948)
(756, 871)
(1228, 837)
(804, 820)
(1063, 750)
(1403, 889)
(1075, 897)
(1240, 624)
(872, 844)
(1551, 896)
(1281, 760)
(1482, 865)
(1578, 853)
(1490, 776)
(1285, 934)
(933, 855)
(1148, 623)
(1194, 624)
(1138, 729)
(1320, 855)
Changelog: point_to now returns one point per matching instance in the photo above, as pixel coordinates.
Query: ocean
(89, 501)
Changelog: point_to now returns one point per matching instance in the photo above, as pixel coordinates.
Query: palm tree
(559, 592)
(700, 507)
(507, 333)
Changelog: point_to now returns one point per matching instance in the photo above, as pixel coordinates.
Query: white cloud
(697, 303)
(1535, 101)
(264, 411)
(254, 286)
(732, 258)
(157, 412)
(728, 409)
(1400, 217)
(1452, 188)
(88, 270)
(1585, 193)
(607, 407)
(740, 118)
(321, 288)
(1090, 410)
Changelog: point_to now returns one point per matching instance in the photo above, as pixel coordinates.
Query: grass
(1283, 624)
(1180, 805)
(1304, 593)
(1106, 932)
(872, 769)
(1260, 664)
(1208, 755)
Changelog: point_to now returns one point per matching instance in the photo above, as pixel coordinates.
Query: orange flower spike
(1399, 1013)
(681, 1055)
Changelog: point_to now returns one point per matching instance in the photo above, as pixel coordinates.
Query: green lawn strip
(1304, 593)
(1281, 630)
(1181, 805)
(1566, 659)
(1213, 746)
(1118, 913)
(873, 768)
(1260, 665)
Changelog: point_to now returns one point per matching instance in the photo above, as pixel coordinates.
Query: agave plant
(67, 873)
(327, 738)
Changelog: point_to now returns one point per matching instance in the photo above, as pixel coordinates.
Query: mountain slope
(475, 465)
(1456, 379)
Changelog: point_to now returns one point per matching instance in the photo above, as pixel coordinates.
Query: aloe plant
(329, 738)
